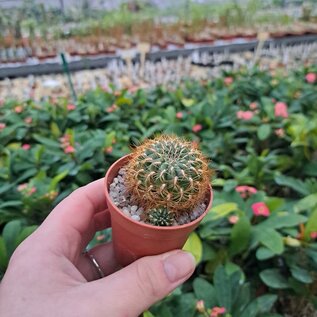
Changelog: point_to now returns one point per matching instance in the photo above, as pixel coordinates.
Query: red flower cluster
(66, 144)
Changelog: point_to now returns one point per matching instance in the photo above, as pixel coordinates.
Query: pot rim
(120, 163)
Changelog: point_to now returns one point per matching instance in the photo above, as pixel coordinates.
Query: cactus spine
(167, 172)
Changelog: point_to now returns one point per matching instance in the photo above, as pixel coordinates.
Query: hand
(48, 275)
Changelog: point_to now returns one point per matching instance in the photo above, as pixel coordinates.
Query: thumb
(133, 289)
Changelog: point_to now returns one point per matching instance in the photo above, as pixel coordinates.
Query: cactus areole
(168, 172)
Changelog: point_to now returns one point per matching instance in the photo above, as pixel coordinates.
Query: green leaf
(301, 275)
(271, 239)
(194, 246)
(148, 314)
(260, 305)
(3, 255)
(10, 233)
(24, 234)
(306, 203)
(263, 253)
(296, 184)
(240, 236)
(311, 225)
(223, 288)
(221, 211)
(264, 131)
(205, 291)
(282, 220)
(188, 102)
(47, 142)
(274, 203)
(274, 279)
(57, 179)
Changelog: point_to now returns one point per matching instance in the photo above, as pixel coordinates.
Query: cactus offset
(168, 172)
(160, 217)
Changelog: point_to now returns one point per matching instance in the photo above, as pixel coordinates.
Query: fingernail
(178, 265)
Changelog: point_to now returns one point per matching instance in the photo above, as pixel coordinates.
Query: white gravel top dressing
(125, 203)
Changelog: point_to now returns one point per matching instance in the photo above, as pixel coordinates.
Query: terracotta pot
(132, 239)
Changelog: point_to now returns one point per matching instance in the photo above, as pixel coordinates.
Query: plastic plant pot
(132, 239)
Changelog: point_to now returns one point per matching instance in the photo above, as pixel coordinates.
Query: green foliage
(246, 262)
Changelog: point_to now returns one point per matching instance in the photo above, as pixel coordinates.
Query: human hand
(48, 275)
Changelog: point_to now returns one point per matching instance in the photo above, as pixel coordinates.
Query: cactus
(160, 217)
(167, 172)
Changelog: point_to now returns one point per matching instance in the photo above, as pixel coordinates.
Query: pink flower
(216, 311)
(18, 109)
(245, 115)
(22, 187)
(197, 127)
(112, 108)
(311, 78)
(233, 219)
(280, 132)
(200, 306)
(26, 147)
(280, 110)
(2, 125)
(253, 105)
(69, 149)
(71, 107)
(313, 235)
(260, 209)
(179, 115)
(133, 89)
(28, 120)
(32, 191)
(228, 80)
(245, 191)
(108, 150)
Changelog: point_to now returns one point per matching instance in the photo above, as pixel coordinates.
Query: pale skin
(49, 276)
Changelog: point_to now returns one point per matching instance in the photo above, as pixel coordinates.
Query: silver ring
(95, 263)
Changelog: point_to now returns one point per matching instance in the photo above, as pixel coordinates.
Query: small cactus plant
(160, 217)
(167, 172)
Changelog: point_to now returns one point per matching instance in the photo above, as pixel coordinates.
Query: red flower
(69, 149)
(245, 115)
(233, 219)
(179, 115)
(112, 108)
(197, 127)
(2, 125)
(280, 110)
(245, 191)
(71, 107)
(26, 147)
(253, 105)
(313, 235)
(18, 109)
(108, 150)
(28, 120)
(200, 306)
(260, 209)
(216, 311)
(22, 187)
(311, 78)
(228, 80)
